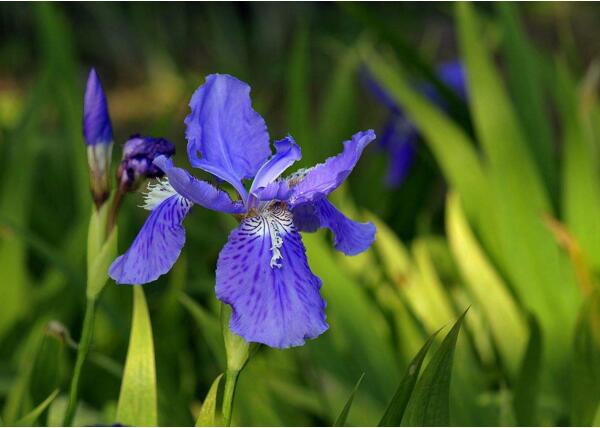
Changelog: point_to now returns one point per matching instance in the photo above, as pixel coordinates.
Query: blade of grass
(341, 419)
(33, 416)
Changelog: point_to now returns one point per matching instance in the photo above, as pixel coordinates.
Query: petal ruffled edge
(319, 181)
(263, 273)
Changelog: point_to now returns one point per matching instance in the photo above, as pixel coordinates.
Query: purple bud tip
(97, 128)
(138, 157)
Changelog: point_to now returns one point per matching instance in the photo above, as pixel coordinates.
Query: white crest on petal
(157, 192)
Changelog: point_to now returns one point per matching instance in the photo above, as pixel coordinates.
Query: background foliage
(500, 214)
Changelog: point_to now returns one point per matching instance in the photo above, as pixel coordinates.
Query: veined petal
(349, 236)
(319, 181)
(262, 272)
(157, 245)
(286, 153)
(197, 191)
(224, 129)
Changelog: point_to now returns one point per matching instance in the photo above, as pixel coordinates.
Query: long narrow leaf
(137, 400)
(341, 419)
(395, 410)
(32, 417)
(430, 402)
(207, 415)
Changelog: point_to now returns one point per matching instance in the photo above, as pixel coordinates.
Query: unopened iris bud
(138, 157)
(97, 132)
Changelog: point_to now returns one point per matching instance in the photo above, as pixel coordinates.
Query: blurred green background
(500, 211)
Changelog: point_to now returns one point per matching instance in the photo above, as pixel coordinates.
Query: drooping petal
(262, 272)
(157, 245)
(349, 236)
(319, 181)
(97, 128)
(224, 129)
(197, 191)
(286, 153)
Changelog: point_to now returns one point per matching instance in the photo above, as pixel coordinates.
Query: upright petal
(97, 128)
(262, 272)
(319, 181)
(157, 246)
(198, 191)
(224, 129)
(286, 153)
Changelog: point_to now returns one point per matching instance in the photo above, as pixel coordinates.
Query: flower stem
(231, 377)
(82, 352)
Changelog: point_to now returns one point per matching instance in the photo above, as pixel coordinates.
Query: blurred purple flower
(262, 270)
(400, 135)
(137, 162)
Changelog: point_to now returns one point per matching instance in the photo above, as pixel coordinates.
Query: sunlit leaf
(207, 415)
(137, 399)
(486, 285)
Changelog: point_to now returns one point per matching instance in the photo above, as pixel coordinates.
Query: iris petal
(324, 178)
(286, 153)
(262, 272)
(197, 191)
(157, 245)
(349, 236)
(224, 129)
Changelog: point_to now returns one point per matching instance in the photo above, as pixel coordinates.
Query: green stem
(82, 352)
(231, 377)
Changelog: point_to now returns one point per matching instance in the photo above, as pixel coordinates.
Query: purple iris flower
(262, 271)
(400, 135)
(137, 162)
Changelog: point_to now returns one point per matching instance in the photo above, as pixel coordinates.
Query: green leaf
(429, 404)
(206, 417)
(453, 148)
(581, 193)
(341, 419)
(32, 417)
(137, 400)
(486, 285)
(526, 387)
(533, 261)
(527, 91)
(99, 258)
(586, 364)
(395, 410)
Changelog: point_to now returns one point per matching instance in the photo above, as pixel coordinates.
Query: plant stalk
(231, 377)
(82, 352)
